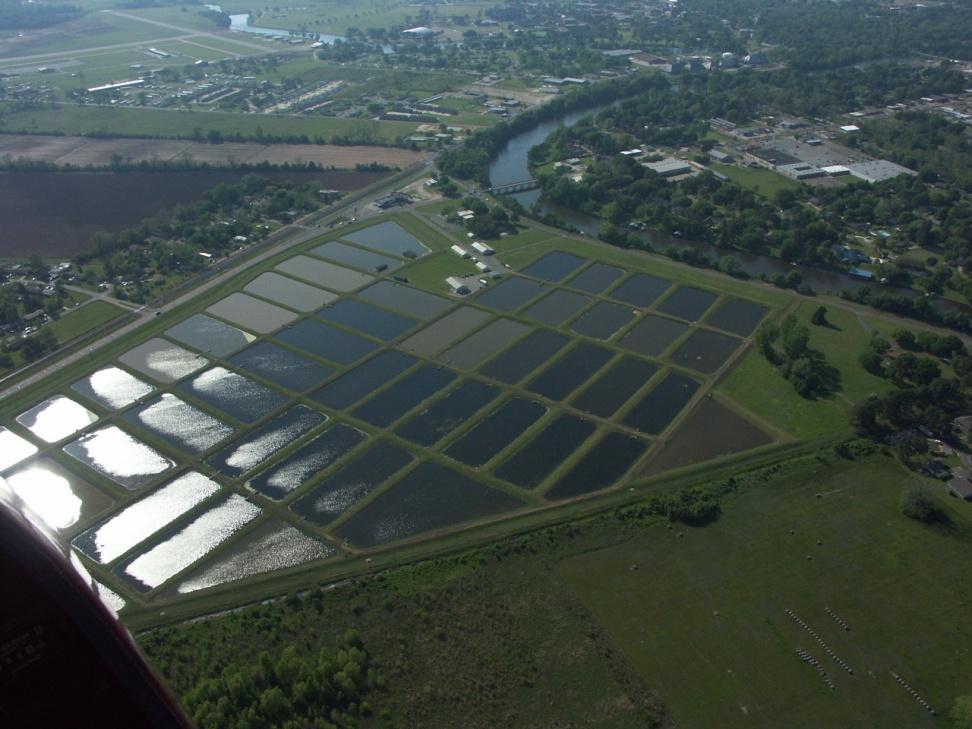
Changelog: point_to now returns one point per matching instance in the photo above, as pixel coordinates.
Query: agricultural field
(81, 152)
(58, 214)
(169, 123)
(713, 618)
(324, 406)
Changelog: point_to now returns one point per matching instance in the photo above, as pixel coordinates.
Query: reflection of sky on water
(119, 456)
(110, 598)
(174, 362)
(254, 451)
(173, 418)
(193, 542)
(48, 494)
(234, 394)
(144, 518)
(282, 548)
(56, 418)
(13, 448)
(113, 387)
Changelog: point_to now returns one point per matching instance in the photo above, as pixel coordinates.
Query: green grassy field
(73, 119)
(761, 388)
(765, 182)
(83, 320)
(700, 612)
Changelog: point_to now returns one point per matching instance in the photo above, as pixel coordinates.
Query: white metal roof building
(878, 170)
(669, 167)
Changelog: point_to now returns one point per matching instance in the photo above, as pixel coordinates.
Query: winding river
(510, 165)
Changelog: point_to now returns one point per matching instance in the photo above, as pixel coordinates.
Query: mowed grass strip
(83, 319)
(701, 612)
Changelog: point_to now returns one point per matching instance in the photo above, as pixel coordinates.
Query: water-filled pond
(570, 371)
(253, 313)
(388, 237)
(344, 488)
(270, 547)
(306, 462)
(13, 448)
(711, 431)
(439, 334)
(526, 356)
(536, 460)
(603, 320)
(323, 273)
(596, 278)
(688, 303)
(494, 337)
(112, 388)
(190, 544)
(163, 361)
(398, 297)
(56, 418)
(117, 455)
(615, 387)
(705, 351)
(659, 407)
(430, 497)
(356, 257)
(496, 431)
(54, 494)
(449, 412)
(600, 467)
(555, 266)
(379, 323)
(138, 521)
(177, 422)
(557, 307)
(392, 403)
(234, 394)
(281, 366)
(653, 335)
(209, 335)
(738, 317)
(363, 379)
(288, 292)
(327, 341)
(640, 290)
(510, 293)
(259, 444)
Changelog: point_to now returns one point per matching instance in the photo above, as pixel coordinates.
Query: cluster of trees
(923, 397)
(828, 35)
(16, 15)
(298, 690)
(171, 241)
(930, 143)
(487, 222)
(806, 368)
(917, 307)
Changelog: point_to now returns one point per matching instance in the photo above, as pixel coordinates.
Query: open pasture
(819, 559)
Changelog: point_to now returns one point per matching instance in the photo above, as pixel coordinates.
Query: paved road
(192, 31)
(102, 296)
